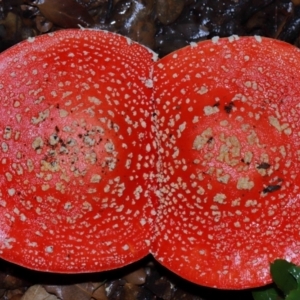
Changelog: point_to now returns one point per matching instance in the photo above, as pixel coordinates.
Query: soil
(164, 26)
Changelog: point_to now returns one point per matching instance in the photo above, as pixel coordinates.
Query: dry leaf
(169, 10)
(42, 24)
(83, 291)
(11, 282)
(100, 293)
(65, 13)
(15, 294)
(12, 23)
(37, 292)
(137, 277)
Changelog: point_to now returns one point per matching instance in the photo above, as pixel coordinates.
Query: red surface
(219, 224)
(80, 201)
(93, 132)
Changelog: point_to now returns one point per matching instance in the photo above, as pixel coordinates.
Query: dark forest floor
(163, 26)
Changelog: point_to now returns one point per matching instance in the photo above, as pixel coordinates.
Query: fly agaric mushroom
(228, 119)
(82, 162)
(77, 157)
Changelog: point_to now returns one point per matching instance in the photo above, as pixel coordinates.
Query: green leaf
(295, 271)
(293, 295)
(282, 277)
(266, 293)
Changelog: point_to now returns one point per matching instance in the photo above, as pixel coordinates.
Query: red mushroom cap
(228, 122)
(82, 162)
(77, 156)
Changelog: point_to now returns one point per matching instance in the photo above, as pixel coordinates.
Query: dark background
(163, 26)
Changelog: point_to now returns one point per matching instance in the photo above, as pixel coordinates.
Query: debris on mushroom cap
(228, 124)
(77, 153)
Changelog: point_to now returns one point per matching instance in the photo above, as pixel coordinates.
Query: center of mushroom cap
(235, 150)
(74, 145)
(70, 151)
